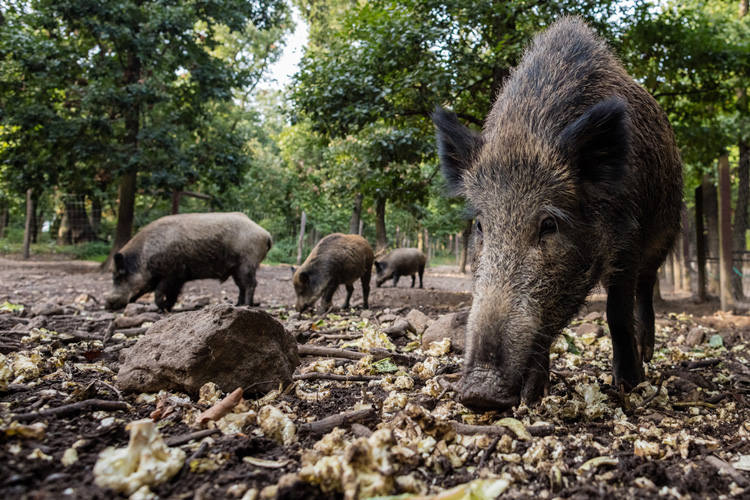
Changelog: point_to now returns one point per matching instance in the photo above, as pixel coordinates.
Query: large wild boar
(575, 179)
(179, 248)
(401, 262)
(337, 259)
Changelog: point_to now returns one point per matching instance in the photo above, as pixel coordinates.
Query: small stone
(418, 320)
(451, 326)
(47, 309)
(134, 309)
(588, 329)
(695, 337)
(593, 316)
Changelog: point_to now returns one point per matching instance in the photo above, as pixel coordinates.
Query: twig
(701, 363)
(499, 430)
(109, 332)
(564, 380)
(186, 438)
(334, 376)
(688, 404)
(119, 394)
(730, 471)
(718, 397)
(327, 424)
(488, 452)
(658, 384)
(339, 337)
(330, 352)
(73, 409)
(221, 408)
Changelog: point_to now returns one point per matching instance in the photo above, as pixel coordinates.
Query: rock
(594, 316)
(589, 328)
(230, 346)
(452, 326)
(293, 316)
(133, 321)
(695, 337)
(38, 322)
(134, 309)
(47, 309)
(418, 320)
(366, 314)
(399, 328)
(387, 317)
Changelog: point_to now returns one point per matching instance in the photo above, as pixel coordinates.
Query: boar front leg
(644, 314)
(327, 301)
(166, 293)
(246, 282)
(366, 288)
(421, 272)
(349, 292)
(626, 363)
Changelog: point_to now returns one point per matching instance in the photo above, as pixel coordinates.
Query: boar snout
(484, 389)
(113, 302)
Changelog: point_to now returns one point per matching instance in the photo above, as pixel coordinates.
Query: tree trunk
(725, 235)
(427, 244)
(76, 226)
(687, 235)
(711, 213)
(356, 214)
(29, 221)
(3, 221)
(96, 214)
(465, 236)
(381, 238)
(700, 244)
(301, 239)
(35, 223)
(132, 112)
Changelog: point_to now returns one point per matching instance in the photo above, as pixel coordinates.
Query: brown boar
(179, 248)
(575, 179)
(401, 262)
(337, 259)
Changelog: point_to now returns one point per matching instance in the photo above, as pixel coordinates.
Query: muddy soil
(683, 434)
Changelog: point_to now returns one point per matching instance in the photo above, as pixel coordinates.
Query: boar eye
(548, 226)
(478, 227)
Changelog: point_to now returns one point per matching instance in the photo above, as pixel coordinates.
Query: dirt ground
(685, 433)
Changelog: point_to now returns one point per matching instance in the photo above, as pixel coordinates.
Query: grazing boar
(337, 259)
(179, 248)
(575, 179)
(401, 262)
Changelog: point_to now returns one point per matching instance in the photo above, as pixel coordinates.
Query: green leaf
(716, 341)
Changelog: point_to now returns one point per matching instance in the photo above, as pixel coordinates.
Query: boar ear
(457, 145)
(598, 143)
(119, 261)
(303, 277)
(292, 270)
(377, 265)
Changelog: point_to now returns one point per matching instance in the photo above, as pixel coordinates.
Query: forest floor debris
(367, 414)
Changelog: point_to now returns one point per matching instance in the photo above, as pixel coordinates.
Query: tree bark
(711, 213)
(725, 235)
(3, 221)
(76, 226)
(687, 232)
(381, 238)
(301, 239)
(356, 214)
(700, 243)
(29, 219)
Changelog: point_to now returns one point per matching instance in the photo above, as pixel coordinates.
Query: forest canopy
(115, 113)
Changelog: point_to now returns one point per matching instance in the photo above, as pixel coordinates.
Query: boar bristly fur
(401, 262)
(575, 179)
(338, 259)
(179, 248)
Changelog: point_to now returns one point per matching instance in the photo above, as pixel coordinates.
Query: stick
(488, 452)
(688, 404)
(499, 430)
(329, 352)
(221, 408)
(339, 337)
(730, 471)
(73, 409)
(327, 424)
(656, 393)
(334, 376)
(186, 438)
(701, 363)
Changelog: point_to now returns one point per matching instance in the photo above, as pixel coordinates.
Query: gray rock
(399, 328)
(695, 337)
(230, 346)
(594, 316)
(133, 321)
(452, 326)
(587, 328)
(134, 309)
(47, 309)
(418, 320)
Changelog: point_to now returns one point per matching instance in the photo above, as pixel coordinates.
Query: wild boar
(337, 259)
(575, 179)
(400, 262)
(179, 248)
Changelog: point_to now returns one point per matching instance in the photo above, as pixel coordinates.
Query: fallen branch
(499, 430)
(688, 404)
(329, 352)
(718, 398)
(186, 438)
(400, 359)
(701, 363)
(730, 471)
(327, 424)
(334, 376)
(339, 336)
(132, 332)
(73, 409)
